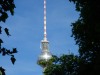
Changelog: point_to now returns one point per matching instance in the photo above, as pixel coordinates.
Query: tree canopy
(86, 31)
(63, 65)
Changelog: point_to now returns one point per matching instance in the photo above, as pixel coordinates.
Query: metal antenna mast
(45, 33)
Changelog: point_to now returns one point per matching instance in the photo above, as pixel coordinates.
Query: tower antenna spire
(45, 32)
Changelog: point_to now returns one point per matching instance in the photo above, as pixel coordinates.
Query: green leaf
(3, 17)
(7, 31)
(13, 59)
(2, 71)
(1, 41)
(14, 50)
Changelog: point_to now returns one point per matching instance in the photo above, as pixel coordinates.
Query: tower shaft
(45, 55)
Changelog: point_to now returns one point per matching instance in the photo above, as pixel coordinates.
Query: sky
(26, 29)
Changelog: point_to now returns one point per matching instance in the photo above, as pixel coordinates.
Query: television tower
(45, 55)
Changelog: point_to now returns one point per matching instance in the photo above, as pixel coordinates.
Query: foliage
(64, 65)
(2, 71)
(86, 31)
(6, 6)
(44, 63)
